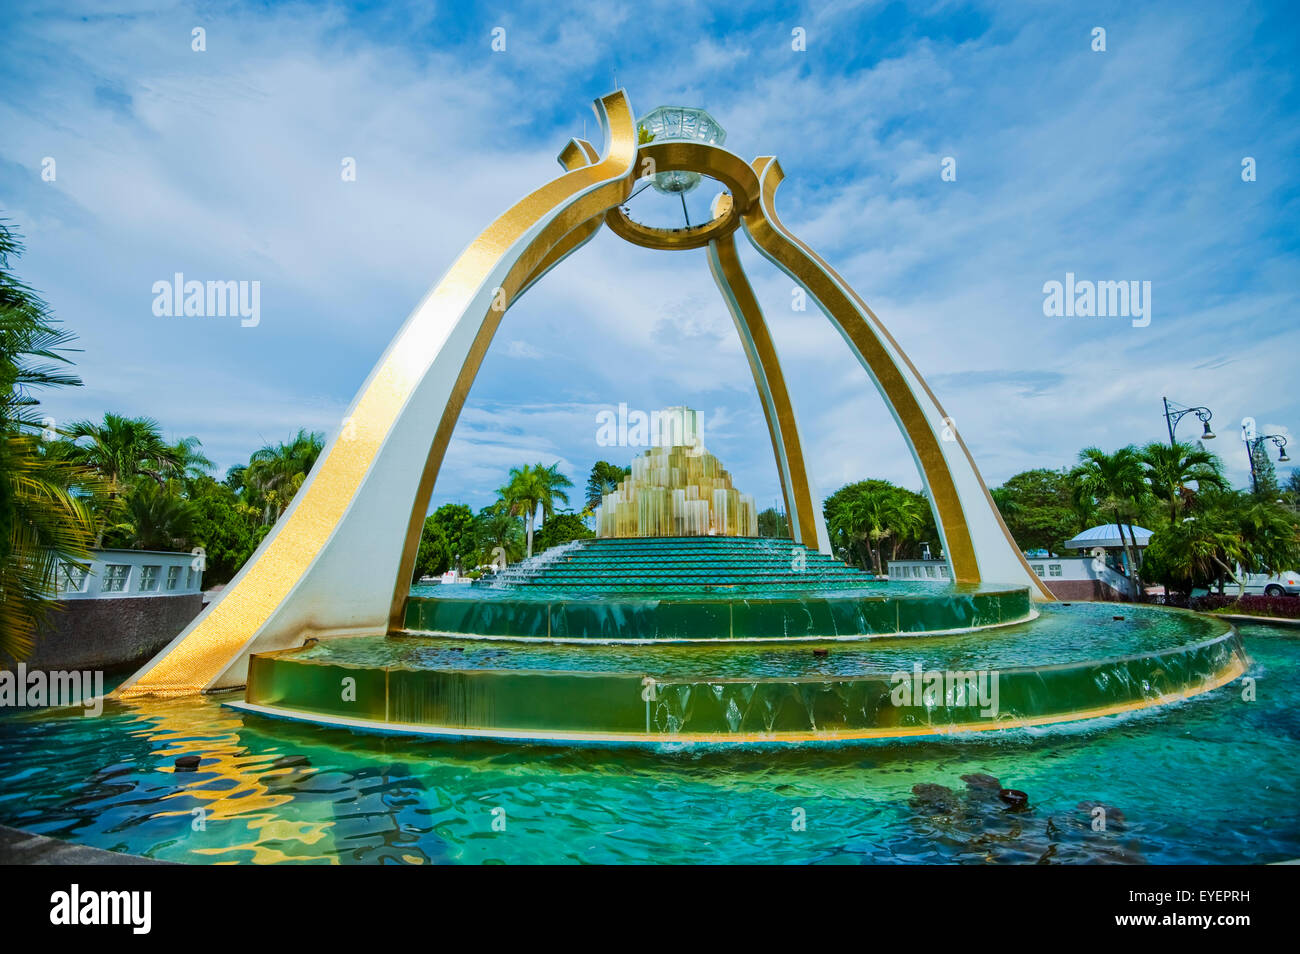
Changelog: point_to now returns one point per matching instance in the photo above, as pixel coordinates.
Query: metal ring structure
(330, 567)
(976, 539)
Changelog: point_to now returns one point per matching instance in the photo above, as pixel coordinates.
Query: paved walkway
(23, 848)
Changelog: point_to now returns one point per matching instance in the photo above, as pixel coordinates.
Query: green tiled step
(807, 583)
(702, 588)
(783, 562)
(624, 616)
(688, 564)
(737, 695)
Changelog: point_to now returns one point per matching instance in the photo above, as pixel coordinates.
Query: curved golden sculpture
(329, 566)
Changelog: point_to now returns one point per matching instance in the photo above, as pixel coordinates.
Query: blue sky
(225, 164)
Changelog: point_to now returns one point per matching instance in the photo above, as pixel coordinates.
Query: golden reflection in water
(231, 783)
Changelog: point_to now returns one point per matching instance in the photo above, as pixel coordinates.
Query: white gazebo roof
(1107, 535)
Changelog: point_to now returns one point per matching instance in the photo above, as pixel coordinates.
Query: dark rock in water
(188, 763)
(821, 652)
(289, 761)
(1016, 800)
(935, 798)
(310, 641)
(988, 824)
(1118, 619)
(978, 780)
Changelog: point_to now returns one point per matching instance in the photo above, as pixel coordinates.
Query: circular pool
(1073, 662)
(1211, 779)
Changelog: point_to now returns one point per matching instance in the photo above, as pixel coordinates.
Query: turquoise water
(880, 589)
(1061, 635)
(1213, 779)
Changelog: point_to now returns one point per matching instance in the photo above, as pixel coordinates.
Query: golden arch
(328, 566)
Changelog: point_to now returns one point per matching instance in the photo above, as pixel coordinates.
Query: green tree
(124, 449)
(276, 472)
(861, 516)
(191, 463)
(530, 488)
(772, 523)
(1116, 485)
(1269, 533)
(1230, 533)
(1196, 553)
(604, 479)
(1291, 492)
(562, 528)
(1171, 470)
(499, 535)
(1037, 507)
(448, 533)
(1265, 482)
(154, 518)
(225, 526)
(42, 521)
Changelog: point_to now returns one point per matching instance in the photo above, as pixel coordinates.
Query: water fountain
(885, 706)
(676, 625)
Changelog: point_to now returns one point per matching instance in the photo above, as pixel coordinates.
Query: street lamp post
(1253, 444)
(1176, 412)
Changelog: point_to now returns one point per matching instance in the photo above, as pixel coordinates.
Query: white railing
(125, 574)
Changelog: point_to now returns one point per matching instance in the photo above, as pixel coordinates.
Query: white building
(122, 574)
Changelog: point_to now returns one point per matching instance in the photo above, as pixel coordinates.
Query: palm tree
(237, 477)
(907, 520)
(1193, 553)
(191, 462)
(1116, 483)
(1270, 539)
(1169, 471)
(42, 522)
(604, 480)
(531, 487)
(865, 514)
(497, 532)
(122, 449)
(276, 472)
(156, 519)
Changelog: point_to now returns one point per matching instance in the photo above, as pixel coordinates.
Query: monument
(677, 624)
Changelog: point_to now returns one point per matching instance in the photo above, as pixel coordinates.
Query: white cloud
(226, 165)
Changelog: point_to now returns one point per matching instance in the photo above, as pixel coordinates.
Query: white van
(1279, 584)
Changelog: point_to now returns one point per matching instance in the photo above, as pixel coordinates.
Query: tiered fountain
(716, 636)
(677, 625)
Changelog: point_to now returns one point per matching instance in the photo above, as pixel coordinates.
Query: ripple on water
(1212, 779)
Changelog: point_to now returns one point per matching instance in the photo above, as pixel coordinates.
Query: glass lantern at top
(682, 123)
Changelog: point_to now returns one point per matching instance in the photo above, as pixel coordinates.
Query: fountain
(676, 625)
(718, 637)
(957, 720)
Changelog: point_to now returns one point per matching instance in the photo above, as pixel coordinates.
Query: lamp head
(681, 123)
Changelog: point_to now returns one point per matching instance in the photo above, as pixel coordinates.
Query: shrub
(1278, 607)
